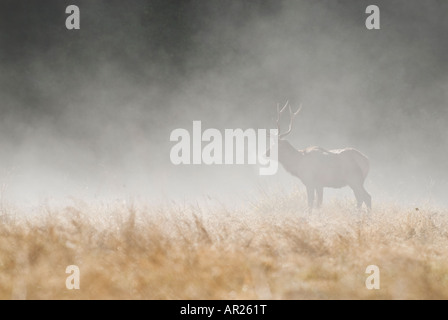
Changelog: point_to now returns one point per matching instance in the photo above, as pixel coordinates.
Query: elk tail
(363, 164)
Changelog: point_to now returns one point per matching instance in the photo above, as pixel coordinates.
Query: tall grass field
(271, 249)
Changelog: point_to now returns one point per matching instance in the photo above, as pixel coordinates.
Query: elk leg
(367, 198)
(310, 193)
(358, 196)
(320, 196)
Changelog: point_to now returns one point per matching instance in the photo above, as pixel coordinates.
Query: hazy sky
(89, 112)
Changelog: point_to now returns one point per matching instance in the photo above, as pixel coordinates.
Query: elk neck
(289, 157)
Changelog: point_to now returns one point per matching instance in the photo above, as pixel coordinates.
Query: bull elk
(318, 168)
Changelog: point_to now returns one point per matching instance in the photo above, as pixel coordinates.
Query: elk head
(279, 139)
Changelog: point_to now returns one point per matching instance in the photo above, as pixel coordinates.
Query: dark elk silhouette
(318, 168)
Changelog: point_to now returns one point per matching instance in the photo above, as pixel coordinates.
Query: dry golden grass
(273, 250)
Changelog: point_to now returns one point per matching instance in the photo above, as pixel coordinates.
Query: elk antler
(279, 112)
(292, 115)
